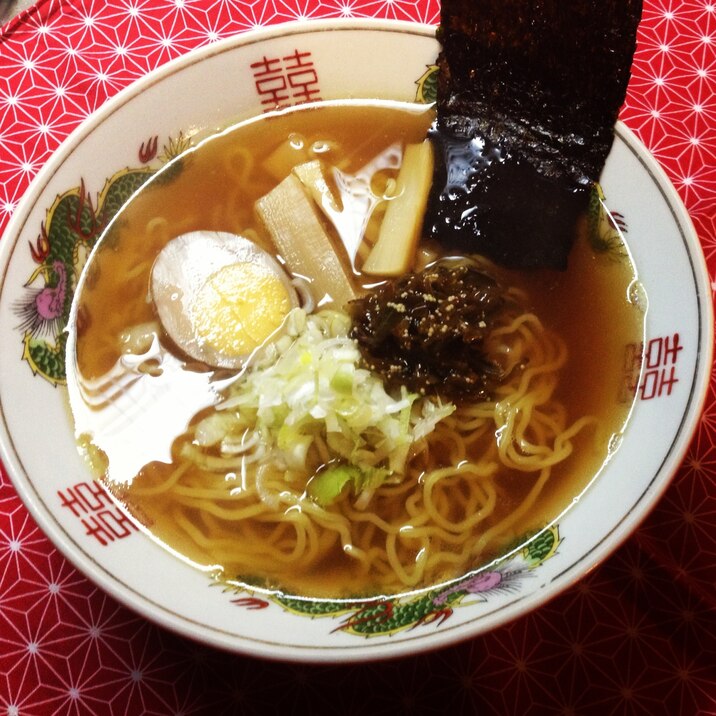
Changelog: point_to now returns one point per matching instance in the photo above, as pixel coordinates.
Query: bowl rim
(261, 648)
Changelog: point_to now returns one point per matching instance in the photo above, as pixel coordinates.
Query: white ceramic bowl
(203, 91)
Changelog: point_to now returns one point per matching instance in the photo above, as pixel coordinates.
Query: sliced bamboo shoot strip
(290, 218)
(285, 157)
(398, 237)
(348, 217)
(312, 178)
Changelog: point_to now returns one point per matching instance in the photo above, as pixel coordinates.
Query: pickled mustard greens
(429, 330)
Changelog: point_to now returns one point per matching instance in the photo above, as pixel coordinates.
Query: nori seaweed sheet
(528, 94)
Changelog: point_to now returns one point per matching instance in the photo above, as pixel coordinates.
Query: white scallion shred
(309, 385)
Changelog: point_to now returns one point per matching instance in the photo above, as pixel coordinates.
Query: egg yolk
(239, 307)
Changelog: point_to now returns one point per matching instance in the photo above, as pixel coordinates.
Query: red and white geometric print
(636, 636)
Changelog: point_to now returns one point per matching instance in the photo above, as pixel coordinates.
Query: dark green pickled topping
(528, 95)
(428, 331)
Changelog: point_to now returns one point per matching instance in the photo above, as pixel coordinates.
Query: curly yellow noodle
(398, 563)
(239, 163)
(485, 503)
(514, 516)
(440, 520)
(139, 270)
(166, 485)
(235, 213)
(158, 231)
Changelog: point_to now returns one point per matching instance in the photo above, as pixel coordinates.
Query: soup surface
(230, 467)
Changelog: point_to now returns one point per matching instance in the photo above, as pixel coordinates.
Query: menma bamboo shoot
(399, 232)
(290, 217)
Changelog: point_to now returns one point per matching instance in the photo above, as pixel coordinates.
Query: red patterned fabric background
(636, 636)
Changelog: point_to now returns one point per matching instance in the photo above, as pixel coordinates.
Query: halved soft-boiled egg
(219, 296)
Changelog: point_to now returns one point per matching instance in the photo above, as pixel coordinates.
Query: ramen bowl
(70, 202)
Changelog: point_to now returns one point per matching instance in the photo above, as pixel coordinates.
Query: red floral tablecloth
(636, 636)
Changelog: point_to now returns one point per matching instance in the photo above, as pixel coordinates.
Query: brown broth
(587, 304)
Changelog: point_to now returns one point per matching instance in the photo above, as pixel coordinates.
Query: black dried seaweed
(528, 94)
